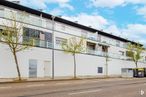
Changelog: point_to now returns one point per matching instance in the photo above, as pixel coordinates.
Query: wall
(86, 64)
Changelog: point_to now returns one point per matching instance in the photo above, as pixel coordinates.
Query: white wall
(86, 64)
(8, 67)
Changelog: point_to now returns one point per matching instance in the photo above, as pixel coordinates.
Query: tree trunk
(136, 64)
(74, 66)
(106, 69)
(106, 65)
(17, 66)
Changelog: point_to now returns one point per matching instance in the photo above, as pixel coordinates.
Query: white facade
(88, 63)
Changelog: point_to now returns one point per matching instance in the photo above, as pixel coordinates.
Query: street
(113, 87)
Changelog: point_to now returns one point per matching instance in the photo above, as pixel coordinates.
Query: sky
(124, 18)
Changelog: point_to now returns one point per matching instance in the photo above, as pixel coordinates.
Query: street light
(53, 23)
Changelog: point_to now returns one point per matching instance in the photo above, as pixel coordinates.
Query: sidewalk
(65, 79)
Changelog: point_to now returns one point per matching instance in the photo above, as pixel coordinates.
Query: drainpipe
(53, 24)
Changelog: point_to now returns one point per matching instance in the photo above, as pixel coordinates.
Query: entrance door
(47, 68)
(32, 68)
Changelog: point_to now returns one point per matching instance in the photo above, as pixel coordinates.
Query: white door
(47, 68)
(32, 68)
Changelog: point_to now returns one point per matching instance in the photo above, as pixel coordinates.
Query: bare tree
(134, 52)
(12, 35)
(73, 46)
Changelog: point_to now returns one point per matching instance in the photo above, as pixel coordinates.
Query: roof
(58, 19)
(116, 37)
(45, 15)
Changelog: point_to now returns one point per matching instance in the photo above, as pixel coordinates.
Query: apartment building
(47, 59)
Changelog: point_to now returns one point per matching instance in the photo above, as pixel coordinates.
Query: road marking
(35, 85)
(6, 87)
(84, 92)
(95, 81)
(62, 83)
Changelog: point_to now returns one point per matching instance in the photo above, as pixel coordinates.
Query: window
(100, 70)
(43, 39)
(60, 40)
(91, 46)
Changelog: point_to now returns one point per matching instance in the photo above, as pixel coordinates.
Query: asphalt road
(77, 88)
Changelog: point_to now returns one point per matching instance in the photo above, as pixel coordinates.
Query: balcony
(38, 42)
(104, 54)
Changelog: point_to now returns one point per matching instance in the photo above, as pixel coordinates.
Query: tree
(134, 52)
(106, 64)
(12, 35)
(73, 46)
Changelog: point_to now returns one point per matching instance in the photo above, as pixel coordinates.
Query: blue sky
(125, 18)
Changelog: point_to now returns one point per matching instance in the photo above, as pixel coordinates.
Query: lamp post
(53, 24)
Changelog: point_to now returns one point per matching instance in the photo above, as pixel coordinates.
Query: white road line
(84, 92)
(62, 83)
(35, 85)
(95, 81)
(6, 87)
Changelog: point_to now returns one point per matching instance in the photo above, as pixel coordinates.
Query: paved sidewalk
(49, 79)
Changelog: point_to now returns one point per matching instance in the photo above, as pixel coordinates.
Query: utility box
(139, 72)
(127, 72)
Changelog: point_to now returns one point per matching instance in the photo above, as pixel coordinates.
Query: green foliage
(73, 45)
(12, 36)
(134, 52)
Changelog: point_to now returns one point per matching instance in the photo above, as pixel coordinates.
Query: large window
(42, 39)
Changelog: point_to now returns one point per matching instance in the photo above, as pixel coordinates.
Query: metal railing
(110, 55)
(38, 42)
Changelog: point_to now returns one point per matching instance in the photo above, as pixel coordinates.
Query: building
(50, 32)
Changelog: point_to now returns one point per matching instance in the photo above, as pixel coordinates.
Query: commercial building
(50, 32)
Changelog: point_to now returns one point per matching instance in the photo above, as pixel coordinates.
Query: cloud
(42, 4)
(142, 11)
(114, 3)
(96, 21)
(65, 5)
(136, 32)
(113, 29)
(105, 3)
(56, 11)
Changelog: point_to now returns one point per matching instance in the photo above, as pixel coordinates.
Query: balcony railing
(38, 42)
(110, 55)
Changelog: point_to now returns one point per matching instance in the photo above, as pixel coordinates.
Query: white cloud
(113, 29)
(134, 32)
(105, 3)
(66, 5)
(56, 11)
(42, 4)
(96, 21)
(136, 1)
(142, 11)
(114, 3)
